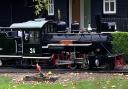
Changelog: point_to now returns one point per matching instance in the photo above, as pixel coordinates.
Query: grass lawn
(116, 83)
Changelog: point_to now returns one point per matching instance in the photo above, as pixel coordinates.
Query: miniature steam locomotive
(49, 44)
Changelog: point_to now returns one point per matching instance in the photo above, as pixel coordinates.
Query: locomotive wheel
(72, 66)
(109, 66)
(85, 64)
(97, 62)
(1, 63)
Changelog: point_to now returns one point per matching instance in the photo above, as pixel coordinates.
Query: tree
(40, 6)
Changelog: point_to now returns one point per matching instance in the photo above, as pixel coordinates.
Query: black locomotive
(49, 44)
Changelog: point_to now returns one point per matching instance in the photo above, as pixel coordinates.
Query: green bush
(120, 43)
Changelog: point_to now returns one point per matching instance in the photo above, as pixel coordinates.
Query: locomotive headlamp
(98, 50)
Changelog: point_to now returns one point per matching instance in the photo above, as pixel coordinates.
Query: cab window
(50, 28)
(31, 37)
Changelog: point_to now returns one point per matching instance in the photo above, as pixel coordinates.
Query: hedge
(120, 43)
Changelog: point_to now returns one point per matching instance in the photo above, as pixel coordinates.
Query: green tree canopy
(40, 5)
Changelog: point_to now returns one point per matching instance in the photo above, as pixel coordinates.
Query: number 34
(32, 50)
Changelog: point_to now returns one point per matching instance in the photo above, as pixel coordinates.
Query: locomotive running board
(50, 45)
(24, 57)
(10, 56)
(27, 57)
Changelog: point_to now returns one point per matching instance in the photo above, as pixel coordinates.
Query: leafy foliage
(40, 5)
(120, 43)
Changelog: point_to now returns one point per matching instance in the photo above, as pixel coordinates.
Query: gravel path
(65, 77)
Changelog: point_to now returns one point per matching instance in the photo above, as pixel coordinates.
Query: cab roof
(37, 23)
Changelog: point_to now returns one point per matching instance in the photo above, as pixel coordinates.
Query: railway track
(16, 70)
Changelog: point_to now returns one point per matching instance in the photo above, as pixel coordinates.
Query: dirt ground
(65, 77)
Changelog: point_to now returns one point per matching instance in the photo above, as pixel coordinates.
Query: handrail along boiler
(39, 41)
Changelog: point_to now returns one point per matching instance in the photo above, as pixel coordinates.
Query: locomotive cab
(31, 34)
(28, 41)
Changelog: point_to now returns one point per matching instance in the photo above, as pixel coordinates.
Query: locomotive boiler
(43, 42)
